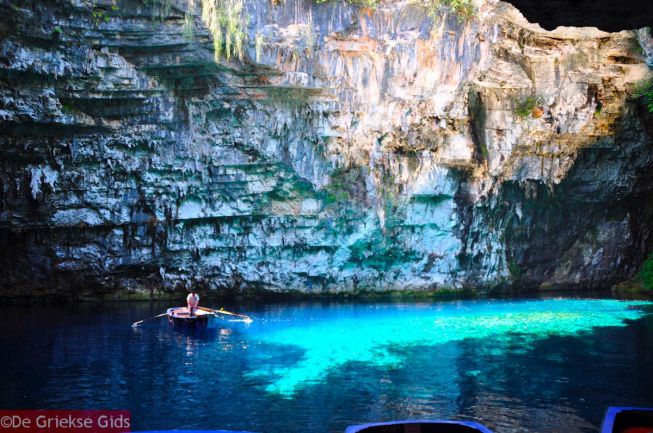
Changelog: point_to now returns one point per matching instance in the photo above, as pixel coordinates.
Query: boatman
(193, 300)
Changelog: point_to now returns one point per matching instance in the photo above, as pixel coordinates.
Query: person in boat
(193, 300)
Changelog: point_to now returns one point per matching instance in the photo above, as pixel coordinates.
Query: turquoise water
(376, 334)
(517, 366)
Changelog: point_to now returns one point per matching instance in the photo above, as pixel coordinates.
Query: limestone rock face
(353, 149)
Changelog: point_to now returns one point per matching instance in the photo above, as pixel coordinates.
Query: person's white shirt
(193, 299)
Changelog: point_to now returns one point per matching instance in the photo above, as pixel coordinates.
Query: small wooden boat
(419, 426)
(180, 317)
(204, 318)
(628, 420)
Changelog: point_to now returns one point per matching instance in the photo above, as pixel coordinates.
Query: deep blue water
(516, 366)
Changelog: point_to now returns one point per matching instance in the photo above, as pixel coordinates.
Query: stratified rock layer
(362, 150)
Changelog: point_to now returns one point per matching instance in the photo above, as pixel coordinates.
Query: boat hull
(628, 420)
(179, 318)
(419, 426)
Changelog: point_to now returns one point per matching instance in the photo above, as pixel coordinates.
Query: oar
(247, 319)
(135, 324)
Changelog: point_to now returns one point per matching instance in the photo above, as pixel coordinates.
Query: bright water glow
(375, 334)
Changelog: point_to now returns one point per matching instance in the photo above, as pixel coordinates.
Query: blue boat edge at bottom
(479, 428)
(611, 414)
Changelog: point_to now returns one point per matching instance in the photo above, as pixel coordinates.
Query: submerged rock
(352, 149)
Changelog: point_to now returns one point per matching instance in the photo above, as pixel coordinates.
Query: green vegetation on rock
(380, 252)
(342, 183)
(484, 150)
(160, 8)
(463, 9)
(369, 3)
(100, 14)
(599, 108)
(645, 92)
(227, 22)
(646, 273)
(515, 270)
(525, 107)
(189, 20)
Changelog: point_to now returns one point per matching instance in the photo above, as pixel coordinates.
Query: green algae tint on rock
(376, 335)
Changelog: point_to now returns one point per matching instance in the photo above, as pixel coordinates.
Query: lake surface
(550, 365)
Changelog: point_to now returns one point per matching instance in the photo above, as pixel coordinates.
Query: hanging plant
(259, 43)
(189, 20)
(226, 22)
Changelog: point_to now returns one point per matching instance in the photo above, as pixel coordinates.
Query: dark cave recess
(607, 15)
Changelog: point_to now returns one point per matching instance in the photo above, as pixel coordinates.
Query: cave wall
(360, 150)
